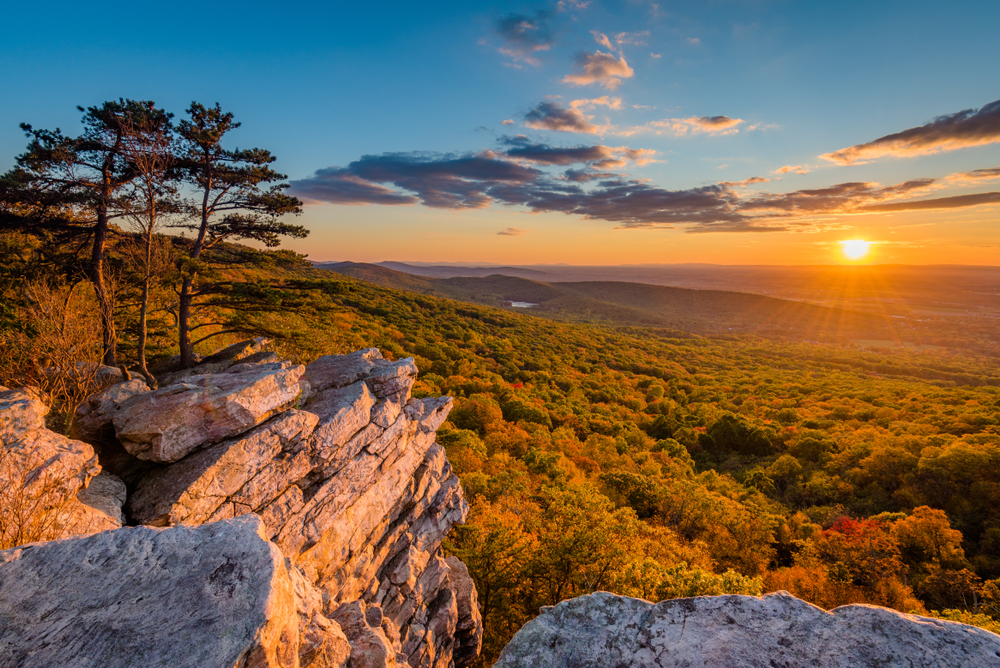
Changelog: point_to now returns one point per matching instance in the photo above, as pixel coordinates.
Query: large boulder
(44, 478)
(165, 425)
(607, 631)
(219, 595)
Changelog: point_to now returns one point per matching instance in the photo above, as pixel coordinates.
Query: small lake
(523, 304)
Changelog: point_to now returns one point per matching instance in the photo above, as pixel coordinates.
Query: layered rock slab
(173, 421)
(217, 595)
(607, 631)
(351, 486)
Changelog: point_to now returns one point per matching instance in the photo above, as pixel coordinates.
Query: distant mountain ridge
(677, 310)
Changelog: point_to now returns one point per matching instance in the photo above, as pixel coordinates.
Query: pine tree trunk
(109, 337)
(184, 322)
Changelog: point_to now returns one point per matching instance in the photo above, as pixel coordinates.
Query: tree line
(130, 175)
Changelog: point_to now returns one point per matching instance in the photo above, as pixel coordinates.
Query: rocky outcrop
(607, 631)
(168, 423)
(219, 595)
(341, 466)
(44, 478)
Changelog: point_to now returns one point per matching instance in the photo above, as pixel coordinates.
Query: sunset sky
(600, 132)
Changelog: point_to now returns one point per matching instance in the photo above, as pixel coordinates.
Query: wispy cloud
(525, 35)
(753, 180)
(603, 101)
(511, 232)
(716, 125)
(507, 122)
(605, 69)
(488, 177)
(794, 169)
(972, 127)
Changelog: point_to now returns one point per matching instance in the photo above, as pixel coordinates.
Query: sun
(855, 248)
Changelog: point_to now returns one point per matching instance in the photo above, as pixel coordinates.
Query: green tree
(236, 196)
(78, 186)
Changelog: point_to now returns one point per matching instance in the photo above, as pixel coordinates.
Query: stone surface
(607, 631)
(342, 467)
(357, 495)
(93, 420)
(217, 595)
(169, 423)
(44, 477)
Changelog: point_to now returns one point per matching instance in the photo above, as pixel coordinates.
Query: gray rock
(166, 424)
(217, 595)
(94, 417)
(607, 631)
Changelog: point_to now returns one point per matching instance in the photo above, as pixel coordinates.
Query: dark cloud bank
(515, 176)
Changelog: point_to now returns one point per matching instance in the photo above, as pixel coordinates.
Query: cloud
(959, 201)
(599, 157)
(553, 116)
(438, 181)
(603, 101)
(636, 38)
(503, 177)
(980, 174)
(525, 35)
(655, 55)
(511, 232)
(694, 41)
(602, 39)
(795, 169)
(745, 182)
(339, 186)
(566, 5)
(962, 129)
(601, 68)
(715, 125)
(507, 122)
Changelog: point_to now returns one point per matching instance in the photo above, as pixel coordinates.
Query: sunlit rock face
(50, 486)
(342, 467)
(607, 631)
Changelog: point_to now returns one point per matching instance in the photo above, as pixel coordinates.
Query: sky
(576, 132)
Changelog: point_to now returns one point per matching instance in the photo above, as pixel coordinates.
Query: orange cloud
(795, 169)
(963, 129)
(601, 68)
(699, 125)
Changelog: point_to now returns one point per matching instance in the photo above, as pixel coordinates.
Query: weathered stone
(469, 625)
(249, 351)
(106, 493)
(370, 648)
(340, 370)
(603, 630)
(166, 424)
(217, 595)
(322, 643)
(21, 411)
(244, 473)
(93, 420)
(357, 495)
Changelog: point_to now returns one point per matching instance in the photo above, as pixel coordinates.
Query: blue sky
(691, 95)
